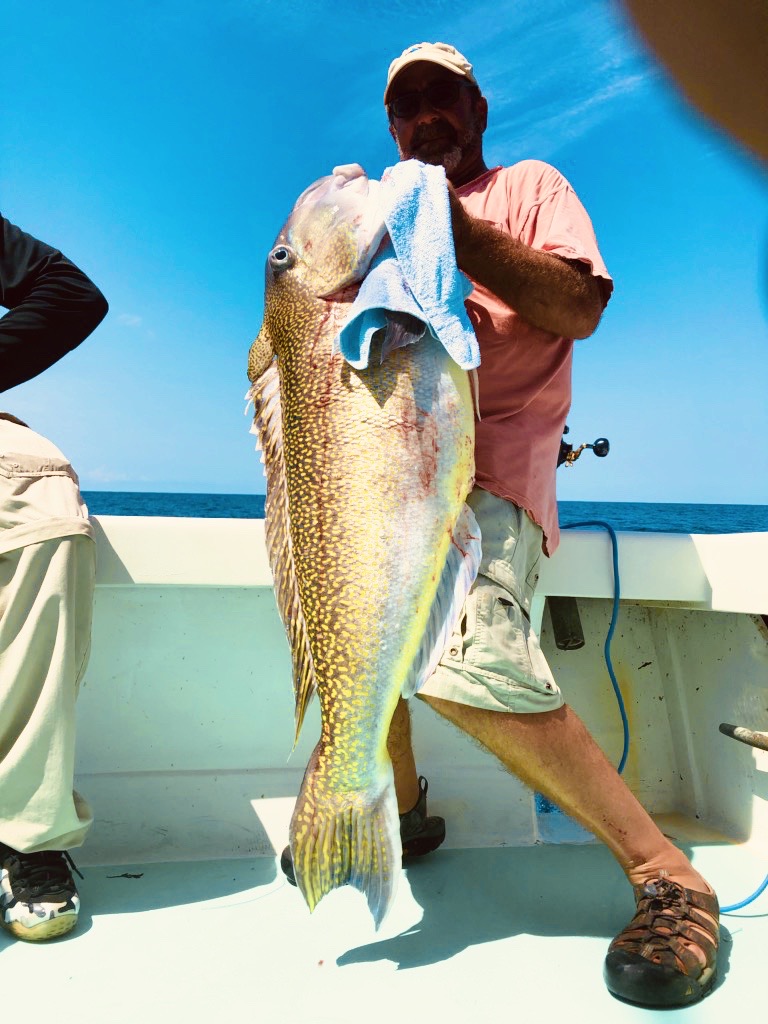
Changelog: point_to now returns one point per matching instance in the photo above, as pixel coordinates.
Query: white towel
(417, 273)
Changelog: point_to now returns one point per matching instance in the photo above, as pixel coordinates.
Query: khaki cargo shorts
(493, 659)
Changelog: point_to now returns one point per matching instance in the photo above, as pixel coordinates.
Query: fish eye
(282, 257)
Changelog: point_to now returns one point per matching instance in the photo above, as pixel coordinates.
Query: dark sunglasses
(441, 95)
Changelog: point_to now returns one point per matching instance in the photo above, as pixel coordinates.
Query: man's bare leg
(403, 764)
(420, 832)
(554, 753)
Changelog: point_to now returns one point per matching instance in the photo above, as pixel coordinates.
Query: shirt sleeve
(556, 222)
(52, 306)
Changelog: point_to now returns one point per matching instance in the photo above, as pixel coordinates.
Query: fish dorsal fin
(459, 572)
(268, 426)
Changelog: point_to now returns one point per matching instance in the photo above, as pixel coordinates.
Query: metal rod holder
(748, 736)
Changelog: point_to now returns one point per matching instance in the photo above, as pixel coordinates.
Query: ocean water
(669, 517)
(642, 516)
(184, 506)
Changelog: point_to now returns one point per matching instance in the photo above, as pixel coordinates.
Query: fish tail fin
(350, 838)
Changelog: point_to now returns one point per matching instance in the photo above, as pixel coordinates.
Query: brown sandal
(653, 961)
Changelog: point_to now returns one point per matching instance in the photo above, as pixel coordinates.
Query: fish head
(332, 234)
(325, 248)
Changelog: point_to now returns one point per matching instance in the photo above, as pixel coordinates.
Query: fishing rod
(568, 454)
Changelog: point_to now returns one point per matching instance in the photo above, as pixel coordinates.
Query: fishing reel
(568, 454)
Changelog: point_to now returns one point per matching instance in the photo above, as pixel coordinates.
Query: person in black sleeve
(47, 571)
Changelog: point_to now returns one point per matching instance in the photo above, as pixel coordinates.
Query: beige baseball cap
(434, 53)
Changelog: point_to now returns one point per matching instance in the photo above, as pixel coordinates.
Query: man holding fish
(526, 243)
(524, 239)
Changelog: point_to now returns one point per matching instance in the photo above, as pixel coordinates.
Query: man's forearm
(53, 306)
(545, 290)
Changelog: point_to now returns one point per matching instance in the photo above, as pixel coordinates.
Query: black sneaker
(419, 833)
(38, 896)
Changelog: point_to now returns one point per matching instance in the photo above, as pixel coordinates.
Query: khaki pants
(46, 602)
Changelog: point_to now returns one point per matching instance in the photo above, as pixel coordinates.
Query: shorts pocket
(493, 640)
(500, 643)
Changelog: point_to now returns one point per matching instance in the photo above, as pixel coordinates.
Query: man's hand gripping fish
(371, 545)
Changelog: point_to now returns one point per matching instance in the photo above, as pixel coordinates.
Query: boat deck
(474, 935)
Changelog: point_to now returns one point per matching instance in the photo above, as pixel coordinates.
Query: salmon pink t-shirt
(525, 372)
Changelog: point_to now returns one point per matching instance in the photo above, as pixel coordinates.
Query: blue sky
(161, 145)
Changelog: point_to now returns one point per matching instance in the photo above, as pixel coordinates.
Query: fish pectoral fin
(402, 330)
(350, 838)
(460, 569)
(260, 355)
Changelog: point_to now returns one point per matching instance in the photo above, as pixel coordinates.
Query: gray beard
(451, 159)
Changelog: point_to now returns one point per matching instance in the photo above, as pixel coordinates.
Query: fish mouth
(349, 179)
(347, 292)
(347, 197)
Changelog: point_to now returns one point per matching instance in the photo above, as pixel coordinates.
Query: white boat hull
(186, 716)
